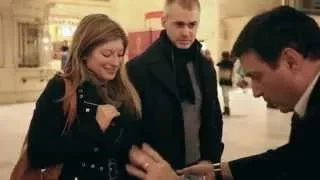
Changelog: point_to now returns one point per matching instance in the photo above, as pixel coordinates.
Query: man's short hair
(185, 4)
(269, 33)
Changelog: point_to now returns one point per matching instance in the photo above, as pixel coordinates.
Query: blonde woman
(87, 118)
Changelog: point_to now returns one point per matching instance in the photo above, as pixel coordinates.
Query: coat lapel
(206, 78)
(162, 71)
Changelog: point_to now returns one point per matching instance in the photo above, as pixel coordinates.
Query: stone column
(6, 36)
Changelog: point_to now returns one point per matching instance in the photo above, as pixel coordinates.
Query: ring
(146, 165)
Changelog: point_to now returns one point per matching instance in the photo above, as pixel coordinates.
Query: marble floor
(252, 128)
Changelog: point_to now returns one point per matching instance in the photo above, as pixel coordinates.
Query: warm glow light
(67, 30)
(45, 40)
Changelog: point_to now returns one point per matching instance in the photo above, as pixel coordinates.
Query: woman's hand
(105, 114)
(147, 164)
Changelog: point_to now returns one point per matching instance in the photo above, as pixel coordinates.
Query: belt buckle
(112, 169)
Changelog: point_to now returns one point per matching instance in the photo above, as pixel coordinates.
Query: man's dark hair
(269, 33)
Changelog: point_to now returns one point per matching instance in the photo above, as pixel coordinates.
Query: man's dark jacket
(296, 160)
(153, 76)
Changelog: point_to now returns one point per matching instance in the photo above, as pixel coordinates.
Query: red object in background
(139, 41)
(153, 15)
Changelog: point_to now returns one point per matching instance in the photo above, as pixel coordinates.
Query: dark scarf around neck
(180, 58)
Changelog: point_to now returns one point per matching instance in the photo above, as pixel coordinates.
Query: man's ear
(293, 59)
(164, 19)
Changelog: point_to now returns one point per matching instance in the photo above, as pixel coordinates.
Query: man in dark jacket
(178, 89)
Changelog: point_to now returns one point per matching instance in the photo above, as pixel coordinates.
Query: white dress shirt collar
(301, 106)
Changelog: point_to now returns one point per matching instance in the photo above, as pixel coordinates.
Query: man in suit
(181, 114)
(280, 51)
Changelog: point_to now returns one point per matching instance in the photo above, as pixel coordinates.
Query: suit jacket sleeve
(298, 159)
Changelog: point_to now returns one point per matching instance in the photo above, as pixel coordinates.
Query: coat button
(81, 96)
(87, 109)
(101, 168)
(95, 149)
(75, 178)
(93, 166)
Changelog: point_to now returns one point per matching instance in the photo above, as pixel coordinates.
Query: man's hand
(201, 169)
(147, 164)
(209, 176)
(207, 170)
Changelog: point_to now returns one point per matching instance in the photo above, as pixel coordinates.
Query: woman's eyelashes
(111, 54)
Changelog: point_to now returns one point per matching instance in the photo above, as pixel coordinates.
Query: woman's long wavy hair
(93, 31)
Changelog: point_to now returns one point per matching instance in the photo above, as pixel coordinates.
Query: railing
(42, 76)
(27, 78)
